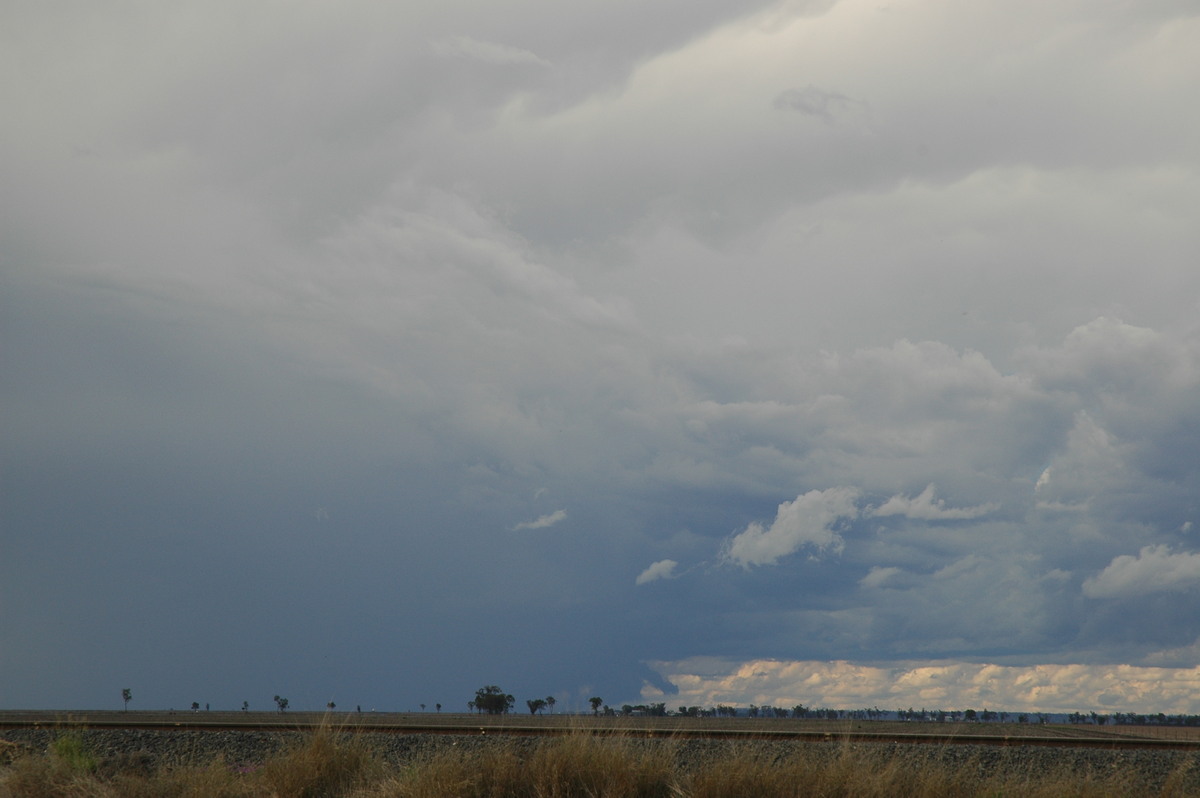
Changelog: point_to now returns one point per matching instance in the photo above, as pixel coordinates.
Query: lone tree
(535, 705)
(550, 702)
(493, 700)
(281, 702)
(595, 701)
(331, 706)
(127, 696)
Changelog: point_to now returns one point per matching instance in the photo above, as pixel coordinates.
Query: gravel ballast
(150, 749)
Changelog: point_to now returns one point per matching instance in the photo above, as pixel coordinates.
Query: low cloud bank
(946, 685)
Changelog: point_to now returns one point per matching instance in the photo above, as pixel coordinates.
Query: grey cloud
(487, 52)
(543, 521)
(256, 264)
(928, 508)
(1154, 569)
(1107, 355)
(811, 101)
(878, 576)
(1029, 600)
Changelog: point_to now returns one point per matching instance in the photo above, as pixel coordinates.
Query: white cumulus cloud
(1155, 569)
(808, 521)
(663, 569)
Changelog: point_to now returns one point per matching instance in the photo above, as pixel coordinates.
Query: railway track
(547, 727)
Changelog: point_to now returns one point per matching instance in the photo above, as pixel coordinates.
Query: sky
(841, 353)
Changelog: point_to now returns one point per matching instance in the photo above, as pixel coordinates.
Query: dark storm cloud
(793, 332)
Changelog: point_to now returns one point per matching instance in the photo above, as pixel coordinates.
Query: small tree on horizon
(126, 696)
(281, 702)
(535, 705)
(550, 702)
(493, 700)
(595, 701)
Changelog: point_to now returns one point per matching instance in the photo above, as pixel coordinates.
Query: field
(345, 754)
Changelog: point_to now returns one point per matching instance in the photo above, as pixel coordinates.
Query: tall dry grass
(333, 763)
(861, 774)
(566, 767)
(328, 764)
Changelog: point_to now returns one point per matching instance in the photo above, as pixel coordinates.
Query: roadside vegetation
(335, 763)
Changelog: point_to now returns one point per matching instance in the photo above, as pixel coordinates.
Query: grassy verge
(336, 763)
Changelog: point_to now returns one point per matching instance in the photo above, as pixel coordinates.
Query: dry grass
(566, 767)
(328, 764)
(853, 773)
(333, 763)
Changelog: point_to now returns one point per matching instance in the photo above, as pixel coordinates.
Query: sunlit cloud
(933, 685)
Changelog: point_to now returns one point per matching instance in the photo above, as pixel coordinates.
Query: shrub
(71, 754)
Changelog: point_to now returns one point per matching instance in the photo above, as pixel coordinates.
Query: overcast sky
(838, 353)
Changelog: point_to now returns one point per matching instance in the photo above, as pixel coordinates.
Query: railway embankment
(141, 749)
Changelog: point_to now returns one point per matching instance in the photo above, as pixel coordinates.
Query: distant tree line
(1135, 719)
(491, 700)
(650, 710)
